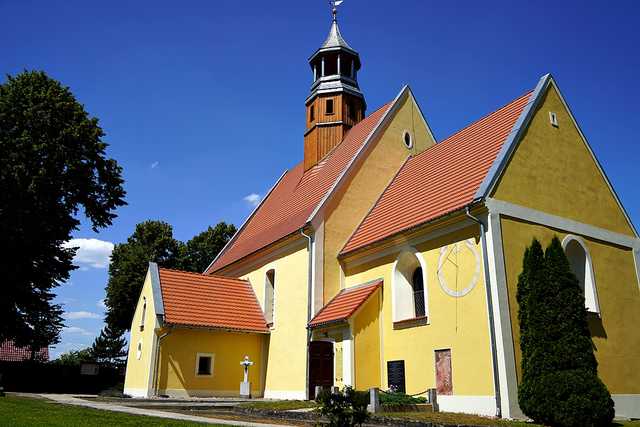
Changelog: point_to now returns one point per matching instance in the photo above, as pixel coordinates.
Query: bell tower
(336, 103)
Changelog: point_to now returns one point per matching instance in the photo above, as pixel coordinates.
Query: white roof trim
(509, 147)
(244, 224)
(395, 105)
(156, 291)
(500, 163)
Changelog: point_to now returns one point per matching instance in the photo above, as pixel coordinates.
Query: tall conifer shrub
(560, 385)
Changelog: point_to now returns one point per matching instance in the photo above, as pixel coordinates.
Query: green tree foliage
(75, 357)
(52, 164)
(197, 253)
(109, 347)
(152, 241)
(559, 386)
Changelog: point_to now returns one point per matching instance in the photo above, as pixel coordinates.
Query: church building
(388, 259)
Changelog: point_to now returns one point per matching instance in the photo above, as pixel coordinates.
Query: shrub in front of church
(344, 409)
(560, 385)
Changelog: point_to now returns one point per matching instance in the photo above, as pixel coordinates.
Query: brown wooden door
(320, 365)
(444, 382)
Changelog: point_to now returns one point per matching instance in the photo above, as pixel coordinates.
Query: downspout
(156, 363)
(309, 308)
(492, 333)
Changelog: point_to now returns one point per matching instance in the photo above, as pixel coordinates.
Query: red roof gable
(9, 352)
(344, 305)
(194, 299)
(289, 205)
(440, 180)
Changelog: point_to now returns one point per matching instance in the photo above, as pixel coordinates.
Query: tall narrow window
(580, 262)
(312, 113)
(269, 295)
(351, 110)
(418, 292)
(144, 312)
(329, 106)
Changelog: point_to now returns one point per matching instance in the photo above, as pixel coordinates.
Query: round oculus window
(407, 139)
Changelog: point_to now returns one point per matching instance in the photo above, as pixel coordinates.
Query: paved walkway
(69, 399)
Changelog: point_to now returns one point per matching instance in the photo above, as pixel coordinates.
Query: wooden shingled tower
(336, 103)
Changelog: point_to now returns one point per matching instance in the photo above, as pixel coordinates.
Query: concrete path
(68, 399)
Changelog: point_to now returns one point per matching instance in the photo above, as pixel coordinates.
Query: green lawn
(464, 419)
(280, 405)
(22, 411)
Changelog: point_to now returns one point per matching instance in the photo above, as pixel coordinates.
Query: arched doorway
(320, 366)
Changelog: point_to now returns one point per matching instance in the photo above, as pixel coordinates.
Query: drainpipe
(309, 308)
(492, 332)
(156, 362)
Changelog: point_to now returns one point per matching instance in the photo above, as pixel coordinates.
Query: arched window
(418, 292)
(269, 293)
(409, 291)
(581, 265)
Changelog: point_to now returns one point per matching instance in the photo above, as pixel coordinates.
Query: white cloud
(155, 164)
(72, 315)
(78, 330)
(253, 199)
(91, 252)
(101, 304)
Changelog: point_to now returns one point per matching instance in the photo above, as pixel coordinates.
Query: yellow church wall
(459, 324)
(366, 332)
(615, 337)
(349, 207)
(287, 345)
(139, 369)
(552, 171)
(178, 358)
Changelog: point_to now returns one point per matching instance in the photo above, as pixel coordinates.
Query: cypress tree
(559, 386)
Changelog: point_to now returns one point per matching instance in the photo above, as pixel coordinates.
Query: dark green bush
(559, 386)
(344, 409)
(400, 399)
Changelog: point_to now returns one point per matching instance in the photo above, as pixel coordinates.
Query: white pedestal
(245, 389)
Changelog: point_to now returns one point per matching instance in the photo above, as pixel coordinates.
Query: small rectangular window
(204, 364)
(553, 118)
(312, 113)
(352, 110)
(329, 106)
(395, 375)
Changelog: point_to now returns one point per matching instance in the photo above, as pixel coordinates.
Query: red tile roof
(9, 352)
(289, 205)
(440, 180)
(344, 305)
(194, 299)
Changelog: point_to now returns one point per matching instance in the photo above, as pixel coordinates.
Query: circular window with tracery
(407, 139)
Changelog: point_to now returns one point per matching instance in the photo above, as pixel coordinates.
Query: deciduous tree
(53, 166)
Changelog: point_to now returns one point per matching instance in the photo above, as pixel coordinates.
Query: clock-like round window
(459, 268)
(407, 139)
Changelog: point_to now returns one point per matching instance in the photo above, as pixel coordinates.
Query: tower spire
(336, 103)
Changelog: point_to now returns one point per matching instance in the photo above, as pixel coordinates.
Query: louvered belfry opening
(335, 103)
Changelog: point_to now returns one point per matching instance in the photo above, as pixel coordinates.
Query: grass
(279, 405)
(23, 411)
(465, 419)
(456, 419)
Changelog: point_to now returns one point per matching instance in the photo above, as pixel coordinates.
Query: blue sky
(203, 102)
